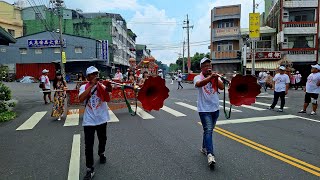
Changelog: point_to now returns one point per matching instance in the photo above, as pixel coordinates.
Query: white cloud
(103, 5)
(153, 27)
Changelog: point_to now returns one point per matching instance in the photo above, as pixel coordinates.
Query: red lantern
(243, 90)
(153, 93)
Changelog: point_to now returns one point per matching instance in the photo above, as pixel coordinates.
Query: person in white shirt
(95, 117)
(262, 79)
(118, 76)
(208, 106)
(312, 90)
(179, 79)
(298, 78)
(160, 73)
(281, 85)
(45, 85)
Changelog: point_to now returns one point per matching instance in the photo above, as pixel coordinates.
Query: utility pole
(59, 4)
(253, 72)
(183, 68)
(188, 41)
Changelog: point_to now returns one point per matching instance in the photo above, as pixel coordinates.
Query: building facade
(10, 19)
(297, 25)
(44, 48)
(142, 52)
(100, 26)
(225, 38)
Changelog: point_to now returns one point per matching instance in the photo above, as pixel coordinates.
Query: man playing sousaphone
(208, 105)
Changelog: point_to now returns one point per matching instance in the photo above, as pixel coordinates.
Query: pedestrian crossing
(73, 117)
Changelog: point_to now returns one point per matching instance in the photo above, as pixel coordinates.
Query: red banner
(266, 55)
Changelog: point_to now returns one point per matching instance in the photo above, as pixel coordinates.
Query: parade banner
(105, 50)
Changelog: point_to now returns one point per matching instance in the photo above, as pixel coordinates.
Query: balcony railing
(222, 32)
(300, 3)
(300, 52)
(225, 54)
(299, 24)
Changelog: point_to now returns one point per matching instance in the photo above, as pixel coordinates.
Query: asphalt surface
(165, 147)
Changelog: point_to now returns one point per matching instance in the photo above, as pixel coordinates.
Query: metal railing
(300, 24)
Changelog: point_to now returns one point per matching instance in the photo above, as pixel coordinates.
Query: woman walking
(60, 86)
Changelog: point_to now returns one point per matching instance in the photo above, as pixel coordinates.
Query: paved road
(254, 144)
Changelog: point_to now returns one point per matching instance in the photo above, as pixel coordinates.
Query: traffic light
(239, 54)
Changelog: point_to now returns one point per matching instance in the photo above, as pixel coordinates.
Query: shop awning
(5, 37)
(266, 65)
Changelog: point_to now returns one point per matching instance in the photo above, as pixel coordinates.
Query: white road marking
(32, 121)
(308, 119)
(254, 119)
(249, 107)
(72, 119)
(187, 106)
(113, 117)
(143, 114)
(74, 165)
(173, 112)
(195, 108)
(265, 104)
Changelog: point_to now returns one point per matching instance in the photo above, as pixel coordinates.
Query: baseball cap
(317, 66)
(204, 60)
(91, 70)
(45, 71)
(297, 72)
(282, 68)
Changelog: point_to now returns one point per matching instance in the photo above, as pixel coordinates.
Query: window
(12, 32)
(78, 50)
(225, 46)
(300, 18)
(3, 50)
(38, 16)
(220, 25)
(23, 50)
(56, 50)
(301, 42)
(229, 24)
(38, 51)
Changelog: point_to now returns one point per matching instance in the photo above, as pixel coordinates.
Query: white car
(28, 79)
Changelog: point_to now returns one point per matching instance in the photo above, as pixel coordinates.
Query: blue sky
(158, 23)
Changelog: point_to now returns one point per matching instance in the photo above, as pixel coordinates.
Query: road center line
(74, 165)
(172, 111)
(32, 121)
(274, 153)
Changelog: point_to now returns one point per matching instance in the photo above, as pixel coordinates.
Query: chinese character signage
(266, 55)
(64, 57)
(104, 50)
(227, 32)
(43, 43)
(254, 25)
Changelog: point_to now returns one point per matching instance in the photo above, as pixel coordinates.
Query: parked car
(28, 79)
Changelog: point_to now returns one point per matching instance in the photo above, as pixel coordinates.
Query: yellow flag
(64, 58)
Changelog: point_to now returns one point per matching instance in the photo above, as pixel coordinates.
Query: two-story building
(297, 25)
(225, 38)
(10, 19)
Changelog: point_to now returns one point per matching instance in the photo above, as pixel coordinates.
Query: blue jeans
(208, 120)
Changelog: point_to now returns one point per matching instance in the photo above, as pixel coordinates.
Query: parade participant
(292, 80)
(144, 78)
(95, 117)
(262, 80)
(179, 79)
(172, 78)
(152, 67)
(298, 78)
(160, 73)
(312, 90)
(60, 85)
(118, 76)
(269, 80)
(208, 106)
(131, 77)
(281, 86)
(45, 85)
(80, 78)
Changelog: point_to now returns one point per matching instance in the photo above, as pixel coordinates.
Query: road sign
(64, 58)
(254, 25)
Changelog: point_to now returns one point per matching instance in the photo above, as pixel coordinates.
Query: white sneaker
(59, 118)
(313, 113)
(211, 160)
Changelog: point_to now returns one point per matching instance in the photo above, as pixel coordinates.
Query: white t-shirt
(44, 79)
(96, 111)
(180, 77)
(297, 77)
(208, 99)
(263, 77)
(280, 82)
(311, 86)
(161, 75)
